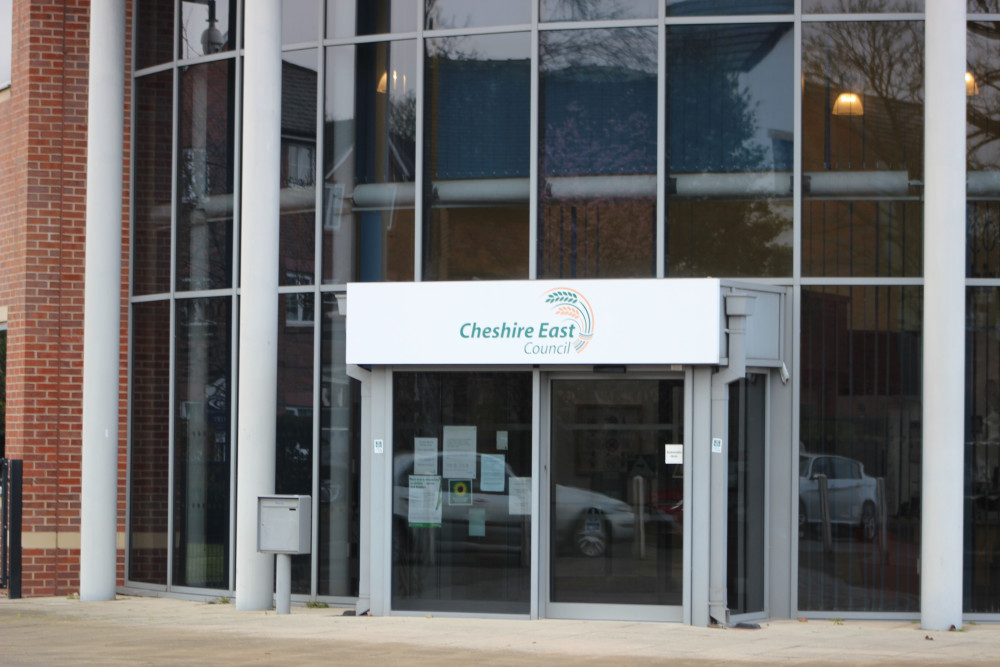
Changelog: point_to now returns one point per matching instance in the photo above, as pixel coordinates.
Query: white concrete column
(944, 316)
(258, 372)
(102, 302)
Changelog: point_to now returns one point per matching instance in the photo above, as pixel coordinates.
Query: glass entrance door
(746, 537)
(615, 506)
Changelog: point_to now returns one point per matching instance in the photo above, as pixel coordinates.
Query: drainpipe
(738, 308)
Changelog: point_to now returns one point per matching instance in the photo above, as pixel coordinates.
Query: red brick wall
(42, 232)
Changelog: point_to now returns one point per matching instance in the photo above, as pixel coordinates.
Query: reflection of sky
(770, 90)
(476, 13)
(300, 21)
(305, 58)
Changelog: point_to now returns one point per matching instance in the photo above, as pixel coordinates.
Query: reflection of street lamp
(848, 104)
(382, 86)
(971, 87)
(212, 41)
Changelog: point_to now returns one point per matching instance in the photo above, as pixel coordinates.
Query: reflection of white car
(852, 496)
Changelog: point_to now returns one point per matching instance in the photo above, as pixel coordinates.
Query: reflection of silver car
(585, 520)
(852, 496)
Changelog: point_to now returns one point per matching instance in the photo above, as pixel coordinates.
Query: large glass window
(730, 7)
(477, 122)
(597, 171)
(339, 460)
(207, 27)
(301, 21)
(152, 187)
(862, 148)
(729, 152)
(596, 10)
(202, 442)
(369, 162)
(347, 18)
(860, 451)
(206, 175)
(293, 470)
(461, 521)
(983, 150)
(984, 6)
(982, 452)
(6, 37)
(475, 13)
(154, 27)
(864, 6)
(149, 456)
(297, 246)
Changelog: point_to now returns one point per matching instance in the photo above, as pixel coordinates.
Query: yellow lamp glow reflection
(971, 87)
(848, 104)
(383, 82)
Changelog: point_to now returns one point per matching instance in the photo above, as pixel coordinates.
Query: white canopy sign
(535, 322)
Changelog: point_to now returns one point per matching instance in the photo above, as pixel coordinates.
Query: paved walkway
(163, 631)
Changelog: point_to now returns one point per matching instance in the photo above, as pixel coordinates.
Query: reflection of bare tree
(595, 10)
(629, 49)
(863, 6)
(983, 6)
(880, 60)
(983, 107)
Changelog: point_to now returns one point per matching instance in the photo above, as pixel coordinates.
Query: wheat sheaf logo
(569, 303)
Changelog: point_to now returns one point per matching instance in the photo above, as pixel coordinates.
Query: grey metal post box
(284, 524)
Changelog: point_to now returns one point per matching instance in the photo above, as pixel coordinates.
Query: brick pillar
(42, 230)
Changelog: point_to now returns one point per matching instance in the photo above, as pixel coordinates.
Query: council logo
(569, 303)
(569, 327)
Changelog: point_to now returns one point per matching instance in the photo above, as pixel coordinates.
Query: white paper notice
(477, 523)
(493, 473)
(459, 458)
(425, 456)
(425, 501)
(502, 441)
(519, 497)
(673, 454)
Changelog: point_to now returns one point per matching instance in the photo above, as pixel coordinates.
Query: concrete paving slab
(167, 631)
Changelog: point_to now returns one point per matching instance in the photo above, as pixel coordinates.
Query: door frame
(598, 611)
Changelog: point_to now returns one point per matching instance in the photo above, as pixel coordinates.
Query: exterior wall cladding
(43, 129)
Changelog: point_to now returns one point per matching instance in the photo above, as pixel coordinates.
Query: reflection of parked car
(588, 521)
(585, 521)
(852, 496)
(503, 532)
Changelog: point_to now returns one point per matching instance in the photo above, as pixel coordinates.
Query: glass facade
(860, 450)
(982, 396)
(445, 140)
